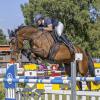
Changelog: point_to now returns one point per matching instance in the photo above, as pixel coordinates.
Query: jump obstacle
(11, 79)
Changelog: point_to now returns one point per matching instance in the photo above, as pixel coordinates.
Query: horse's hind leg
(68, 72)
(79, 84)
(89, 85)
(82, 70)
(91, 70)
(68, 69)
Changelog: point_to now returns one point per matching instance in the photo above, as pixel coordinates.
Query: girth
(53, 51)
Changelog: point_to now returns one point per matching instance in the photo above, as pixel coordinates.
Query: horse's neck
(36, 35)
(42, 42)
(28, 30)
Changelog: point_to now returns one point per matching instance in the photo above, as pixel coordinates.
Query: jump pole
(78, 57)
(73, 81)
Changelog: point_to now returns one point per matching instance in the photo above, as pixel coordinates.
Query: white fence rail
(60, 95)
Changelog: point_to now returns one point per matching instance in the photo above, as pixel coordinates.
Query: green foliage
(2, 38)
(1, 96)
(75, 16)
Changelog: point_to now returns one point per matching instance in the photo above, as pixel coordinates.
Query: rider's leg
(62, 37)
(59, 29)
(66, 40)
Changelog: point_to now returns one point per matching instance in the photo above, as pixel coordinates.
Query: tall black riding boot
(66, 41)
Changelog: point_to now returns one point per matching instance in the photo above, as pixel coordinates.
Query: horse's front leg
(29, 55)
(32, 58)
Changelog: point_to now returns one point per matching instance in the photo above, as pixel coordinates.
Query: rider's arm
(48, 28)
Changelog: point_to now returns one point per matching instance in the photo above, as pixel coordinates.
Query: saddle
(58, 41)
(63, 39)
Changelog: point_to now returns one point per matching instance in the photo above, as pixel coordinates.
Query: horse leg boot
(65, 40)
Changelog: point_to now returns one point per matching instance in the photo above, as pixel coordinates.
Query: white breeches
(59, 28)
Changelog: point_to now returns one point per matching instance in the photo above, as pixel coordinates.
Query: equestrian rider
(49, 24)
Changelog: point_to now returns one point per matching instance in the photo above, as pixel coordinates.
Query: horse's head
(18, 36)
(13, 40)
(12, 43)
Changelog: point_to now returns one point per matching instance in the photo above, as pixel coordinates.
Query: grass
(1, 92)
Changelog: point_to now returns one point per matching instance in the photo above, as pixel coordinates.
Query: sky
(10, 14)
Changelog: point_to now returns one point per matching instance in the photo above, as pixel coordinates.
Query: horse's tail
(90, 65)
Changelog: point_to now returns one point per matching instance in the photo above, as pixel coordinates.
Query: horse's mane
(20, 27)
(25, 26)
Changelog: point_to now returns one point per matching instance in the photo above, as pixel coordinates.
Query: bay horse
(43, 45)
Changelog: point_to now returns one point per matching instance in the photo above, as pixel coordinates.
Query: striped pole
(81, 78)
(20, 70)
(61, 78)
(53, 80)
(48, 71)
(49, 80)
(45, 81)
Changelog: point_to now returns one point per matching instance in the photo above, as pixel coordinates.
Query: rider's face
(39, 22)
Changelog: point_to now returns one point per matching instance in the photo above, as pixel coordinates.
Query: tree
(2, 38)
(75, 16)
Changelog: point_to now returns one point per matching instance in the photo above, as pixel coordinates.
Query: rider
(49, 24)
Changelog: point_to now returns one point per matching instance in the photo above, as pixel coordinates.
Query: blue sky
(10, 14)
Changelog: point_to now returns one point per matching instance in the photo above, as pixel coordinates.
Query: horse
(43, 45)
